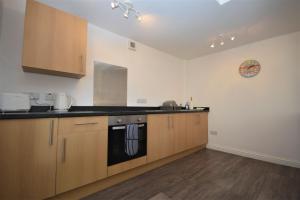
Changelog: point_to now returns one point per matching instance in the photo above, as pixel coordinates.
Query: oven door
(117, 143)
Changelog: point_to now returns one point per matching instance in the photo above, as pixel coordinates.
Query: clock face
(249, 68)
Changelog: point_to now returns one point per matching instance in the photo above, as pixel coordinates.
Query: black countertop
(84, 111)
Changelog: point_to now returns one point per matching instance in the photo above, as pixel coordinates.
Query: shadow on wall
(11, 32)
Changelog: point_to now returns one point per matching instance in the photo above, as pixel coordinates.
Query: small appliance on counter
(170, 105)
(14, 102)
(62, 101)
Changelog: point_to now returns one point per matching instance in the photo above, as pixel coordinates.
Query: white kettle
(63, 102)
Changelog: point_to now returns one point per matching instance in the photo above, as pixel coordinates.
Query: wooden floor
(210, 175)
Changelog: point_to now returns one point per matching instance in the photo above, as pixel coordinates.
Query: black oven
(127, 138)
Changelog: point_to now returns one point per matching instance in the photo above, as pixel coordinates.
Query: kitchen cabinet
(40, 158)
(28, 158)
(160, 137)
(82, 151)
(169, 134)
(197, 129)
(180, 132)
(54, 41)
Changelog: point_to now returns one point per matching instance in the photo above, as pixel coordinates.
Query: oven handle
(124, 127)
(118, 127)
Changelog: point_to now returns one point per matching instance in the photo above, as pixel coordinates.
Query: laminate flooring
(209, 175)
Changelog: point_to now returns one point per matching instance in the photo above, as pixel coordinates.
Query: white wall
(260, 116)
(152, 74)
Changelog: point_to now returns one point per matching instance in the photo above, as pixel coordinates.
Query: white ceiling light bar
(127, 7)
(221, 2)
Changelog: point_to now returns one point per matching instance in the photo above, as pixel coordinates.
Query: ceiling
(186, 28)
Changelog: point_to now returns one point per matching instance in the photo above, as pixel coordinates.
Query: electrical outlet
(141, 101)
(213, 132)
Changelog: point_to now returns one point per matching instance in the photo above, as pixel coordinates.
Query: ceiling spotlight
(221, 39)
(232, 38)
(221, 2)
(140, 18)
(114, 4)
(126, 13)
(212, 46)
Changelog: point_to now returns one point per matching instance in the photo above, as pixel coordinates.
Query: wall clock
(249, 68)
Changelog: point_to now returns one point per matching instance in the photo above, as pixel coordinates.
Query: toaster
(13, 102)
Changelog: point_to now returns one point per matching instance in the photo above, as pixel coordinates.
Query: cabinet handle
(173, 122)
(64, 150)
(168, 122)
(51, 132)
(82, 63)
(88, 123)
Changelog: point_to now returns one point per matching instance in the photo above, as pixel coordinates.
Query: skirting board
(255, 155)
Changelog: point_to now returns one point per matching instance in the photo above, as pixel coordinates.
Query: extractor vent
(132, 45)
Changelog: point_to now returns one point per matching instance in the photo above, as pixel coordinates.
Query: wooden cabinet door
(82, 152)
(197, 129)
(204, 128)
(179, 128)
(27, 158)
(54, 41)
(160, 137)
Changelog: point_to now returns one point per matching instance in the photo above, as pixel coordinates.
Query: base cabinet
(169, 134)
(179, 131)
(196, 129)
(40, 158)
(27, 158)
(82, 152)
(160, 137)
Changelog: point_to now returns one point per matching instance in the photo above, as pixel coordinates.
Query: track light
(127, 7)
(138, 16)
(114, 4)
(221, 39)
(126, 13)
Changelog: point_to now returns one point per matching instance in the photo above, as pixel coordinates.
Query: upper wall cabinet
(54, 41)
